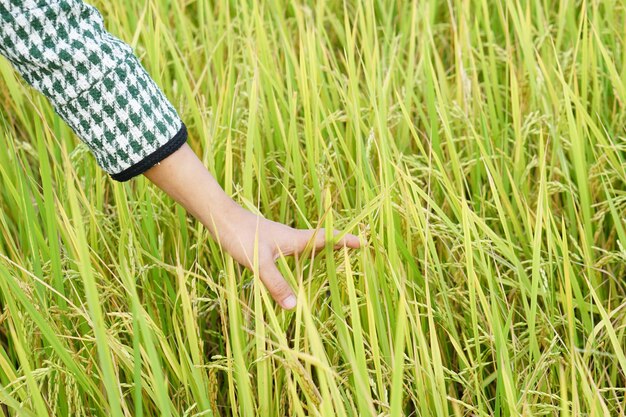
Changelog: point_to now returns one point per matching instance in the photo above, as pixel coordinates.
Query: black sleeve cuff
(155, 157)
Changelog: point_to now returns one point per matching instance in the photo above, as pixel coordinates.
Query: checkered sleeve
(94, 82)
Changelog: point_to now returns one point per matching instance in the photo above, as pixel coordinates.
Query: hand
(184, 178)
(239, 235)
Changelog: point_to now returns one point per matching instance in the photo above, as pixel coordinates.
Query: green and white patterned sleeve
(93, 80)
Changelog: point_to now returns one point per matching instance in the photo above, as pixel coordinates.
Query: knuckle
(266, 264)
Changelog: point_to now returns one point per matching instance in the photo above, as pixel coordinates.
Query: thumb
(277, 286)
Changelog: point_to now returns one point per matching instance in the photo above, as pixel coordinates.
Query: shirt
(94, 82)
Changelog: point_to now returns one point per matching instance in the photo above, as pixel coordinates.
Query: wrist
(222, 218)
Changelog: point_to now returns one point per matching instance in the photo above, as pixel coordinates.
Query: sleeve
(94, 82)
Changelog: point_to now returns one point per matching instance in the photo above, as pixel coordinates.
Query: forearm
(184, 178)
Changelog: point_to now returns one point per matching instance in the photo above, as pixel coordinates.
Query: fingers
(319, 236)
(270, 275)
(348, 240)
(277, 286)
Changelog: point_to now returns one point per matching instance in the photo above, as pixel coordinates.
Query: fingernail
(289, 302)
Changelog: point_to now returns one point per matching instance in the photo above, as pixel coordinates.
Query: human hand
(242, 231)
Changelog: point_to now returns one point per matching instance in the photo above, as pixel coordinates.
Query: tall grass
(478, 146)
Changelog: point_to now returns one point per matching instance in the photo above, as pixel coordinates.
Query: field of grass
(479, 147)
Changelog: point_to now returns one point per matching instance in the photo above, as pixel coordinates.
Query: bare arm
(184, 178)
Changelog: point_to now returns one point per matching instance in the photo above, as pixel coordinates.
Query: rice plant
(479, 147)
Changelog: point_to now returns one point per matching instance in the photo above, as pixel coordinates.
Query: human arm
(184, 178)
(97, 85)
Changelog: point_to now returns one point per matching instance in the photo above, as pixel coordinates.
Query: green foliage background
(478, 145)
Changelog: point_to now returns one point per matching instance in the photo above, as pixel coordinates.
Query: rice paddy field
(479, 147)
